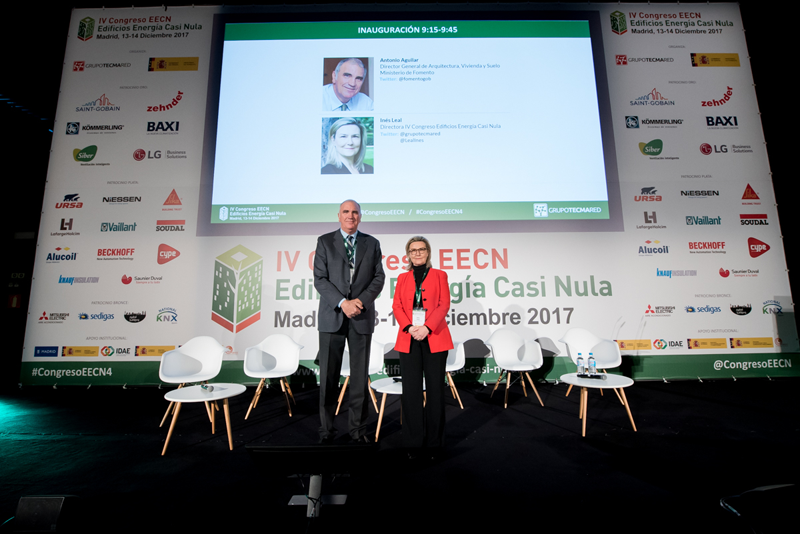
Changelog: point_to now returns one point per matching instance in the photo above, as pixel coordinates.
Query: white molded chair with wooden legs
(605, 351)
(512, 353)
(456, 359)
(376, 353)
(278, 356)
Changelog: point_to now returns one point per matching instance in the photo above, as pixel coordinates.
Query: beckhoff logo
(61, 254)
(115, 253)
(692, 220)
(756, 247)
(117, 227)
(726, 96)
(753, 219)
(163, 128)
(700, 194)
(772, 307)
(166, 107)
(135, 317)
(166, 254)
(651, 248)
(739, 309)
(653, 148)
(121, 200)
(619, 24)
(85, 28)
(170, 225)
(707, 247)
(653, 98)
(167, 315)
(649, 194)
(102, 103)
(730, 122)
(86, 154)
(707, 149)
(70, 202)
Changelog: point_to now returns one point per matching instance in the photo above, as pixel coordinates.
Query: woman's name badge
(418, 316)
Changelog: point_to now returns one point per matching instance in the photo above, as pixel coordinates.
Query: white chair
(198, 360)
(581, 342)
(456, 359)
(513, 354)
(278, 356)
(376, 352)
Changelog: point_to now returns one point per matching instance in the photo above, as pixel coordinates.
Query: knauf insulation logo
(86, 28)
(619, 24)
(236, 302)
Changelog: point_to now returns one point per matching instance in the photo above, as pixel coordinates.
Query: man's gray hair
(354, 60)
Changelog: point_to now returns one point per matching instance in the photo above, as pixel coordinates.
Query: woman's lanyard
(418, 292)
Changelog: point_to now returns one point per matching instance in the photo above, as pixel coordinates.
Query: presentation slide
(431, 121)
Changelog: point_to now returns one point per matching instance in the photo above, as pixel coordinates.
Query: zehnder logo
(753, 219)
(692, 220)
(102, 103)
(86, 154)
(170, 225)
(165, 107)
(70, 201)
(117, 227)
(726, 96)
(653, 98)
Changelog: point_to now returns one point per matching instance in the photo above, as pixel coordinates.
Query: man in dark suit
(348, 275)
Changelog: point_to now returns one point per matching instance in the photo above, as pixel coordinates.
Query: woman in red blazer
(422, 342)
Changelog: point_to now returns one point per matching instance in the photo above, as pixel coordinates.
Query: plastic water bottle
(581, 368)
(592, 365)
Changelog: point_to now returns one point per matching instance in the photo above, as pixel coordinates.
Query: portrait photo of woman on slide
(346, 148)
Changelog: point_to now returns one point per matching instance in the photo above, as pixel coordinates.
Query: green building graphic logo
(86, 28)
(619, 24)
(237, 288)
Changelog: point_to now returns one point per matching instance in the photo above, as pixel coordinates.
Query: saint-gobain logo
(223, 213)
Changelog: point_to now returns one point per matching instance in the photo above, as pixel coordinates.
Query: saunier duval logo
(653, 248)
(619, 24)
(102, 103)
(85, 28)
(236, 302)
(61, 254)
(730, 122)
(117, 227)
(166, 107)
(175, 225)
(163, 128)
(653, 148)
(726, 96)
(135, 317)
(741, 309)
(653, 98)
(724, 273)
(753, 219)
(167, 315)
(85, 155)
(697, 220)
(649, 194)
(70, 202)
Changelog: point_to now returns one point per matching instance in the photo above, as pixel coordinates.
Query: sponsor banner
(633, 344)
(707, 343)
(79, 351)
(152, 350)
(751, 343)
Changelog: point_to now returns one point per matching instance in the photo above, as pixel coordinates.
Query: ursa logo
(653, 148)
(86, 154)
(70, 201)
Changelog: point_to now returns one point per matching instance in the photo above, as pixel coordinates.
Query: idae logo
(85, 154)
(619, 24)
(653, 148)
(86, 28)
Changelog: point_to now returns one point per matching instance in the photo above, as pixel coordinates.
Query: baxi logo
(166, 254)
(756, 247)
(619, 24)
(86, 154)
(653, 148)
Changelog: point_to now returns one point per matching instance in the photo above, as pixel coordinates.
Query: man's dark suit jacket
(332, 280)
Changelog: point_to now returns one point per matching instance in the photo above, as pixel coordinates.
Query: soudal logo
(175, 225)
(707, 149)
(115, 253)
(649, 194)
(756, 247)
(99, 104)
(163, 128)
(61, 254)
(653, 98)
(703, 220)
(707, 247)
(749, 197)
(703, 309)
(70, 202)
(140, 154)
(700, 194)
(722, 123)
(166, 107)
(166, 254)
(662, 344)
(772, 307)
(653, 148)
(117, 227)
(753, 219)
(652, 248)
(726, 96)
(741, 309)
(135, 317)
(121, 200)
(84, 154)
(167, 315)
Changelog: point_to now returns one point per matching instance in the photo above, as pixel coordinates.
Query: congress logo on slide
(619, 24)
(86, 28)
(236, 302)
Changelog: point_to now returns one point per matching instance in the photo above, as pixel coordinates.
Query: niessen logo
(700, 193)
(101, 103)
(61, 254)
(166, 107)
(117, 227)
(70, 202)
(80, 66)
(174, 225)
(749, 197)
(121, 200)
(718, 122)
(703, 220)
(173, 202)
(166, 254)
(756, 247)
(726, 96)
(115, 253)
(741, 309)
(653, 248)
(163, 128)
(649, 194)
(622, 60)
(753, 219)
(653, 98)
(707, 247)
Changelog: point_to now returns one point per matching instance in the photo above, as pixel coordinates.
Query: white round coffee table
(615, 382)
